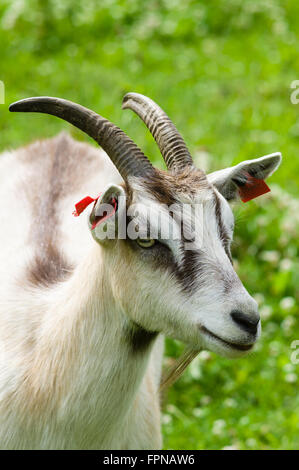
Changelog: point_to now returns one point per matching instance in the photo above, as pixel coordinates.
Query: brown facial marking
(166, 187)
(222, 230)
(190, 269)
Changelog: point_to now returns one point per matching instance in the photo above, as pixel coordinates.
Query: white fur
(68, 376)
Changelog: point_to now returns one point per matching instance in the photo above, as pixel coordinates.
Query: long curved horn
(124, 153)
(168, 138)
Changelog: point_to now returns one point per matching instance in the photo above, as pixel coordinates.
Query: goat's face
(186, 289)
(181, 281)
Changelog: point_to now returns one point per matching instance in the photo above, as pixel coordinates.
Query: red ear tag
(253, 188)
(85, 202)
(100, 220)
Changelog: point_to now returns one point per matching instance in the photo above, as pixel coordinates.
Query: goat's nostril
(246, 321)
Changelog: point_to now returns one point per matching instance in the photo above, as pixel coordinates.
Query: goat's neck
(87, 350)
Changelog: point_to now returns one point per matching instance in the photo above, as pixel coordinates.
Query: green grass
(222, 70)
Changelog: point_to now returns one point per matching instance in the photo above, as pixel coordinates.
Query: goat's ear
(108, 212)
(230, 180)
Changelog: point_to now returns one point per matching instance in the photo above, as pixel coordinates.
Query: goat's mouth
(236, 346)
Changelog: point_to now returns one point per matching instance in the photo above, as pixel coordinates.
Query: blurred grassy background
(222, 70)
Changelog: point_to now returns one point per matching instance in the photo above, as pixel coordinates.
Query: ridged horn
(123, 152)
(168, 138)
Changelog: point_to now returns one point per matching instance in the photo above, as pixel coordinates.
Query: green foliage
(222, 70)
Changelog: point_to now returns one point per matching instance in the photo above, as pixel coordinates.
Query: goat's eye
(146, 242)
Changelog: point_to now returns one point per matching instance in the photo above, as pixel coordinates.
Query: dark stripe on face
(190, 267)
(189, 270)
(221, 229)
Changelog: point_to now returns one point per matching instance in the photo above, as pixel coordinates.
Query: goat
(83, 318)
